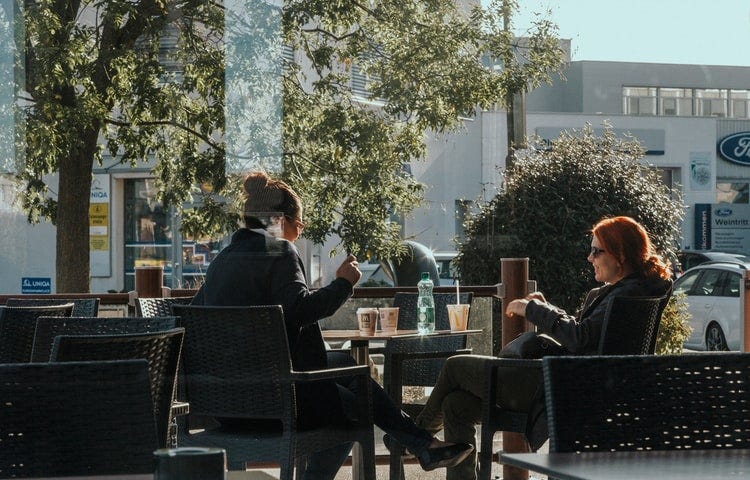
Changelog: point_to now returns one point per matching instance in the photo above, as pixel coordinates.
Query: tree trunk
(74, 192)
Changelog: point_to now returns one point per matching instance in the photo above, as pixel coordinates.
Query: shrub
(553, 195)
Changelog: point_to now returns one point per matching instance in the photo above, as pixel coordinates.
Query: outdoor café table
(716, 464)
(231, 475)
(360, 342)
(360, 348)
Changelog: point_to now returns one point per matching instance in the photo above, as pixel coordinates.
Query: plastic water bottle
(425, 305)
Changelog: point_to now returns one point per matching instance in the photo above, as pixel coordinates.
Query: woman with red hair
(624, 260)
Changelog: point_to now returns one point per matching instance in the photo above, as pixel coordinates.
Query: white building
(680, 114)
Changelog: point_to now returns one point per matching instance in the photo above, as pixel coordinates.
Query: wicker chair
(82, 307)
(47, 328)
(417, 361)
(17, 325)
(76, 419)
(237, 365)
(158, 307)
(160, 349)
(630, 328)
(633, 403)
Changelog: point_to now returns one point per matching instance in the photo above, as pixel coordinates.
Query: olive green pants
(455, 404)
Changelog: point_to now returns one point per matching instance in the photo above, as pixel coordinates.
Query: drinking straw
(458, 296)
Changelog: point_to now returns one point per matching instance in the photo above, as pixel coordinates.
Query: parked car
(690, 258)
(713, 298)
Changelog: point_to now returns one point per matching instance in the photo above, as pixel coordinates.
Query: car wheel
(715, 339)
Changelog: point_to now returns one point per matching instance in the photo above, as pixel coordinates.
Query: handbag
(532, 345)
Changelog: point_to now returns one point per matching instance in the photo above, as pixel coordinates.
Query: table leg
(361, 354)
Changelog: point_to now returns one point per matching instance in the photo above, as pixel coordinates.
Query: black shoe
(389, 443)
(440, 457)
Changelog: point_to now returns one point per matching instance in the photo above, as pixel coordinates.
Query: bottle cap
(425, 275)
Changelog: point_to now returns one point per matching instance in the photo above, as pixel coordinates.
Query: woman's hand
(517, 308)
(536, 296)
(349, 270)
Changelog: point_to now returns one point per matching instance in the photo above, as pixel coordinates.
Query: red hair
(628, 241)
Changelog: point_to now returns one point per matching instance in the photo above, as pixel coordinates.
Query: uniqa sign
(736, 148)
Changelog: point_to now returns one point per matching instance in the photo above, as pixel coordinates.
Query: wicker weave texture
(630, 326)
(47, 328)
(82, 307)
(631, 403)
(237, 364)
(88, 418)
(159, 307)
(160, 349)
(17, 325)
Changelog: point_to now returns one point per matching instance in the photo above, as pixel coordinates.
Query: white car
(713, 297)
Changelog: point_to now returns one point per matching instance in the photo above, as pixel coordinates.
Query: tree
(98, 77)
(552, 198)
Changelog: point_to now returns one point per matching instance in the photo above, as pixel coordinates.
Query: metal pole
(515, 280)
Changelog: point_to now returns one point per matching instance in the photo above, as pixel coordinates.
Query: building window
(738, 104)
(639, 100)
(732, 192)
(711, 102)
(676, 101)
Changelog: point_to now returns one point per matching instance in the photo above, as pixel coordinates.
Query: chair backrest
(236, 361)
(17, 325)
(82, 307)
(76, 419)
(160, 349)
(424, 372)
(47, 328)
(159, 307)
(648, 402)
(630, 325)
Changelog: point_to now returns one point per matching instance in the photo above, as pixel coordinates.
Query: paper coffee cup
(388, 319)
(458, 316)
(367, 319)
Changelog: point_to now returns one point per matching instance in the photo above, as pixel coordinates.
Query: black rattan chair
(47, 328)
(418, 361)
(237, 365)
(630, 328)
(76, 419)
(158, 307)
(17, 325)
(160, 349)
(659, 402)
(82, 307)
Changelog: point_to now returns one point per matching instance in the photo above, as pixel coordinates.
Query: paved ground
(412, 471)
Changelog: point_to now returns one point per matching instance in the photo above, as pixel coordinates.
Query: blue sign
(736, 148)
(702, 218)
(36, 285)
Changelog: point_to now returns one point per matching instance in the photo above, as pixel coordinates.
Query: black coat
(258, 269)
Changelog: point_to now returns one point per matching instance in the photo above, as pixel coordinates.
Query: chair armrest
(330, 373)
(400, 357)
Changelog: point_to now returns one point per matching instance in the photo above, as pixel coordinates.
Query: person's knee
(461, 407)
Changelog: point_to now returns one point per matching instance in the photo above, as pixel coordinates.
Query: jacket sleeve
(578, 336)
(301, 306)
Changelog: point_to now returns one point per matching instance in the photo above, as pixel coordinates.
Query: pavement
(411, 471)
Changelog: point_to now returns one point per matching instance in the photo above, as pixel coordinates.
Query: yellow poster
(98, 223)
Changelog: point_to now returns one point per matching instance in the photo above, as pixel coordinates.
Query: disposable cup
(458, 316)
(367, 318)
(388, 319)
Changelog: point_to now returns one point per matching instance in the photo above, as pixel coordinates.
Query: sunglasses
(595, 252)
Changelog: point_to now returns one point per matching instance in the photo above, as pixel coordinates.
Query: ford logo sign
(736, 148)
(723, 212)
